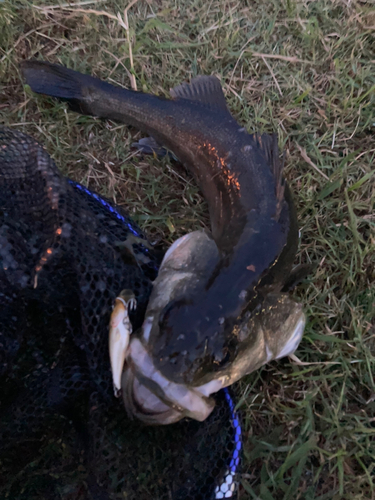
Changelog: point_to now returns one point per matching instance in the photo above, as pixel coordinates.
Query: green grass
(305, 69)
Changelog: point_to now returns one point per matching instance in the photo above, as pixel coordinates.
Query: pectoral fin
(298, 274)
(148, 146)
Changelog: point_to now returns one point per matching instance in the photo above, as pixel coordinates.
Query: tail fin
(90, 96)
(56, 81)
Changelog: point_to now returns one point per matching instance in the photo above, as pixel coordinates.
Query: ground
(304, 69)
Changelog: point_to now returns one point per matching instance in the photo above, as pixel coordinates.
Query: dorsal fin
(204, 89)
(269, 146)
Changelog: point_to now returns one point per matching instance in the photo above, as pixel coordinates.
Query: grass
(305, 69)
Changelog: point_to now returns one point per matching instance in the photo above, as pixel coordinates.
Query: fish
(215, 289)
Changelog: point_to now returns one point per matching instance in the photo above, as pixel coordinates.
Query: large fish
(204, 326)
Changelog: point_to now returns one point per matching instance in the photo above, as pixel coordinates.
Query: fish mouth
(155, 400)
(143, 404)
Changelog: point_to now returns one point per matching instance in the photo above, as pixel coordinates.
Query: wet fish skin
(271, 332)
(252, 214)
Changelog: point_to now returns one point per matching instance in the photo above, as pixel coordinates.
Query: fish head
(273, 330)
(193, 339)
(171, 372)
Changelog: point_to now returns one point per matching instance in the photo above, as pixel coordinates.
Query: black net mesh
(65, 255)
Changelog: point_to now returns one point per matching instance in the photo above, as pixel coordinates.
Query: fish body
(207, 282)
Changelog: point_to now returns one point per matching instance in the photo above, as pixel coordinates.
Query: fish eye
(223, 360)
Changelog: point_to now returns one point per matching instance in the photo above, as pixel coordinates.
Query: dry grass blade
(69, 4)
(290, 59)
(310, 162)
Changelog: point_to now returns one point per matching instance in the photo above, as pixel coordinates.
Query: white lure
(119, 335)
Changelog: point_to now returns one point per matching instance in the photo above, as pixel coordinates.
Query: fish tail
(54, 80)
(63, 83)
(90, 96)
